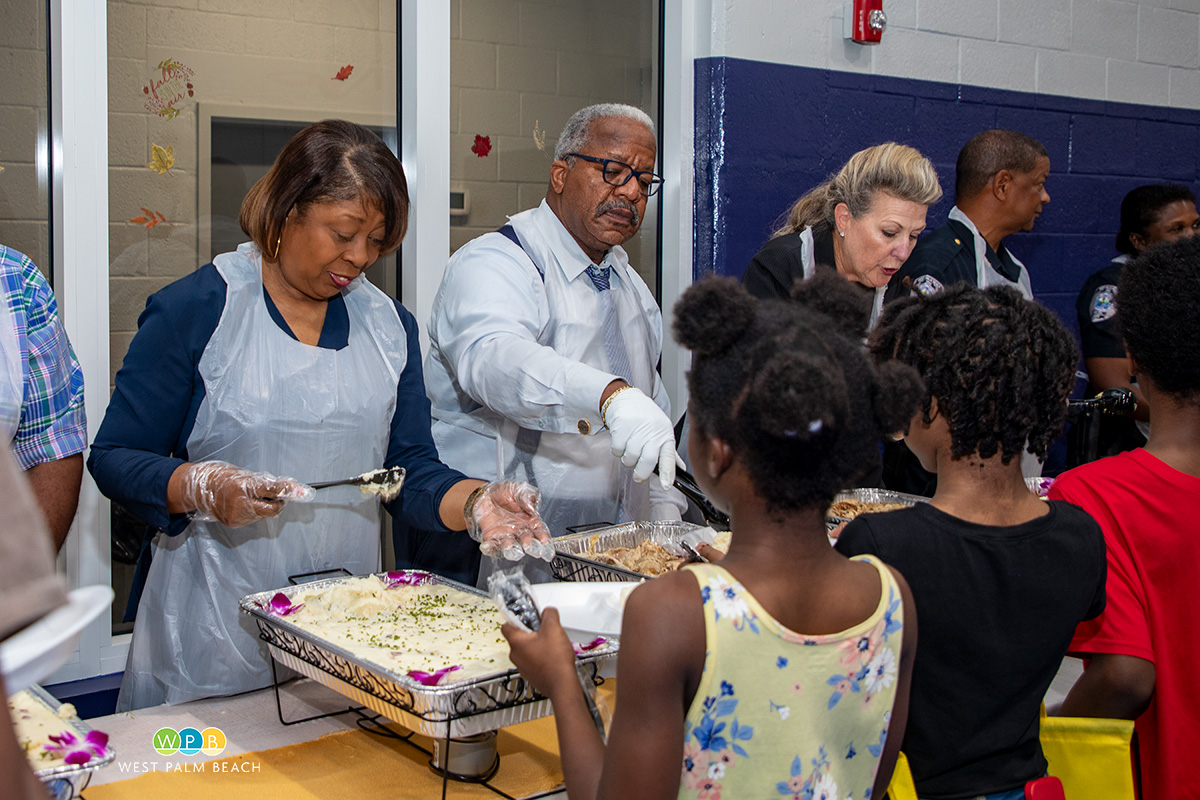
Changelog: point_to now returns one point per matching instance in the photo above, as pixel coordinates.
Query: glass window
(518, 70)
(201, 99)
(24, 122)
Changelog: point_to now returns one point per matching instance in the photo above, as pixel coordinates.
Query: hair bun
(797, 398)
(832, 295)
(713, 314)
(897, 396)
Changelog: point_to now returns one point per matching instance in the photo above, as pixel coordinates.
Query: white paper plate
(35, 652)
(587, 610)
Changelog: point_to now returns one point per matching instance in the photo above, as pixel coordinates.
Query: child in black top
(1000, 578)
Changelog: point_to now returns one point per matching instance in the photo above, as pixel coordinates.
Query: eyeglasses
(618, 173)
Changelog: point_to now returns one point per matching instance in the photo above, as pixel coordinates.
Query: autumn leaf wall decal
(482, 146)
(343, 73)
(161, 160)
(148, 218)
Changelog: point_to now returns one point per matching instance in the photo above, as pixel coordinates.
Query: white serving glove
(503, 517)
(642, 435)
(234, 496)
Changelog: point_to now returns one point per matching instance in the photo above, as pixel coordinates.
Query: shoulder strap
(508, 232)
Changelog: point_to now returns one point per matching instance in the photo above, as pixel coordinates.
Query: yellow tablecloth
(354, 764)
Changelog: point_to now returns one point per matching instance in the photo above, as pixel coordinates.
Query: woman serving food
(278, 359)
(863, 221)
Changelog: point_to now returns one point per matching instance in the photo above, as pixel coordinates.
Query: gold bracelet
(472, 499)
(608, 402)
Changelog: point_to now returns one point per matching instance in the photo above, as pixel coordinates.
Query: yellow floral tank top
(784, 715)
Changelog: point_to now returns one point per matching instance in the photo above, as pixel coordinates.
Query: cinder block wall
(524, 65)
(514, 63)
(1111, 88)
(266, 55)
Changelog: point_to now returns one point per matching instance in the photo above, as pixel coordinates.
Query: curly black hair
(1157, 301)
(789, 386)
(1000, 366)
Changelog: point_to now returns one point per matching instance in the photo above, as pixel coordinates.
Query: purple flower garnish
(62, 741)
(431, 678)
(95, 744)
(592, 645)
(281, 606)
(406, 577)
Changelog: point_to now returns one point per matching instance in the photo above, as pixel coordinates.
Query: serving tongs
(693, 555)
(510, 591)
(687, 486)
(377, 477)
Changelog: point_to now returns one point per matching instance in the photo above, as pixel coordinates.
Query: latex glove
(505, 521)
(642, 436)
(234, 496)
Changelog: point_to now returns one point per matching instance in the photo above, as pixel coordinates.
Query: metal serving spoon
(384, 482)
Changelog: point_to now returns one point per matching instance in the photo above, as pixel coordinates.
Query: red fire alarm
(863, 21)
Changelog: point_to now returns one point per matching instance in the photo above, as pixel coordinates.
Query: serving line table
(329, 756)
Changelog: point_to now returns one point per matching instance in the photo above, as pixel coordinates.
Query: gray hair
(575, 133)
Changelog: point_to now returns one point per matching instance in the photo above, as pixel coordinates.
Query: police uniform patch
(926, 285)
(1104, 303)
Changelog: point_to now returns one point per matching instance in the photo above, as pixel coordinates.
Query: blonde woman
(863, 221)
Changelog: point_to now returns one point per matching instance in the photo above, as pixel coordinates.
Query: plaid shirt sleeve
(53, 422)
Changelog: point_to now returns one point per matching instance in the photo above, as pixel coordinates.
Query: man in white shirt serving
(544, 344)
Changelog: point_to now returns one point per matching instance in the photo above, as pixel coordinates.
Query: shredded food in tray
(425, 628)
(646, 558)
(849, 509)
(651, 558)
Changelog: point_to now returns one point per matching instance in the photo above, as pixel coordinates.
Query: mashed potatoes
(35, 723)
(424, 628)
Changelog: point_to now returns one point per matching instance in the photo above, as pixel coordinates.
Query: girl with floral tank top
(783, 672)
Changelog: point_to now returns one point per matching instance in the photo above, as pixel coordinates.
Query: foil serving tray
(871, 496)
(451, 709)
(572, 564)
(76, 776)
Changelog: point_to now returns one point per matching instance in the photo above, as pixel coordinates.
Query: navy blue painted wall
(766, 133)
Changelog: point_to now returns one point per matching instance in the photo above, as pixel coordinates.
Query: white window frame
(79, 138)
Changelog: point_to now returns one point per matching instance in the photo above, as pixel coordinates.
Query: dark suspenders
(527, 440)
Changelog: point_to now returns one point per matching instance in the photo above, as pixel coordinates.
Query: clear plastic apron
(580, 479)
(273, 404)
(809, 259)
(12, 381)
(985, 274)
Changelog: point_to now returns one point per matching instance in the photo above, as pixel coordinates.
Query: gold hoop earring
(275, 257)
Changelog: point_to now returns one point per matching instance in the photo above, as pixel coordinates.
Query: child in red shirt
(1142, 649)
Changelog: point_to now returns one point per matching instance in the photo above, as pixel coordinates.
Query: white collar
(571, 258)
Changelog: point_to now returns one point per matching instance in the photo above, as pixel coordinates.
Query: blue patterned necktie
(618, 364)
(614, 342)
